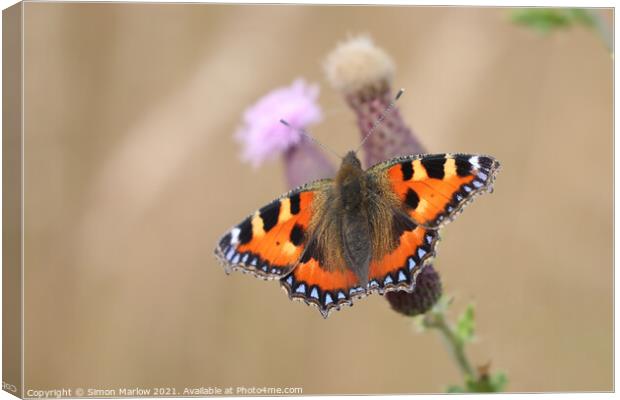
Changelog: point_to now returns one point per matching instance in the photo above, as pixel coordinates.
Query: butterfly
(332, 241)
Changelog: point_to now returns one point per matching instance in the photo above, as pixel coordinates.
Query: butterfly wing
(430, 190)
(269, 242)
(279, 242)
(317, 282)
(398, 269)
(433, 189)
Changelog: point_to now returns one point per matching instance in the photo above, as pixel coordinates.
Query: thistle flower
(363, 73)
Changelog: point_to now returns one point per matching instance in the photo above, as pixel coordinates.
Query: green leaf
(455, 389)
(541, 19)
(546, 19)
(581, 16)
(465, 325)
(499, 381)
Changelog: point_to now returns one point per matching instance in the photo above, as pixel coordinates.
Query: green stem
(455, 345)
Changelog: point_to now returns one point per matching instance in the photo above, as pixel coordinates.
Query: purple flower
(263, 136)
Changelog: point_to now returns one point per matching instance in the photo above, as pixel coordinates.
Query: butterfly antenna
(381, 118)
(307, 135)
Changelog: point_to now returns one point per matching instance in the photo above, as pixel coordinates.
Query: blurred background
(132, 174)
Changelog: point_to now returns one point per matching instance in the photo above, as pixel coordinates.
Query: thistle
(363, 73)
(263, 137)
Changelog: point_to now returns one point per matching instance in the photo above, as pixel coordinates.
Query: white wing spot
(401, 276)
(421, 252)
(234, 235)
(355, 290)
(411, 264)
(474, 162)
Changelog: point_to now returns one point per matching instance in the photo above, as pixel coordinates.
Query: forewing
(269, 242)
(432, 189)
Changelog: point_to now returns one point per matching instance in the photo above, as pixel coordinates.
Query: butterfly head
(349, 180)
(350, 168)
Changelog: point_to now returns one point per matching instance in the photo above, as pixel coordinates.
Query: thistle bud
(422, 299)
(363, 73)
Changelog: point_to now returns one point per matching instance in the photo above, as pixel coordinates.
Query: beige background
(132, 175)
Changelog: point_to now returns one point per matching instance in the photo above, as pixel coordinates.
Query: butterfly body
(366, 231)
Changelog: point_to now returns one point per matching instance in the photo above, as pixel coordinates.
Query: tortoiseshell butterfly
(335, 240)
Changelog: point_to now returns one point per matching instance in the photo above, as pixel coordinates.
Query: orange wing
(269, 242)
(399, 269)
(327, 289)
(434, 188)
